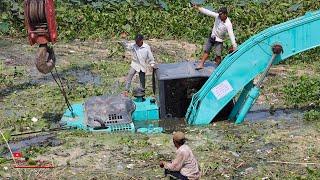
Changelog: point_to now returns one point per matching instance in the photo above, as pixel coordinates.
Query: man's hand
(154, 66)
(161, 164)
(123, 43)
(196, 6)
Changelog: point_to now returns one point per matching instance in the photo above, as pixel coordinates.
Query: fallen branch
(295, 163)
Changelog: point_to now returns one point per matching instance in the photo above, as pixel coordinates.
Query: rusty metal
(40, 12)
(32, 10)
(45, 59)
(41, 24)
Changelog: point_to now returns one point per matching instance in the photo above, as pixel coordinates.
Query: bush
(12, 18)
(311, 116)
(302, 91)
(100, 19)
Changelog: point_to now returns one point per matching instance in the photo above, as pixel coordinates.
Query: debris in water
(34, 119)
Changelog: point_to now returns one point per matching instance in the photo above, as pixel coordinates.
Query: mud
(18, 145)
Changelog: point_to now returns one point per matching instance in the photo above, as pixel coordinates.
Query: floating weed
(312, 116)
(302, 91)
(148, 155)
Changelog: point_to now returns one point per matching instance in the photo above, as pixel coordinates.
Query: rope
(60, 85)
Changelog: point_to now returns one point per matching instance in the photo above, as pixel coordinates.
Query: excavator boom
(237, 71)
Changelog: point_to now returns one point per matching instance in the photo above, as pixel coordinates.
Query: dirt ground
(265, 149)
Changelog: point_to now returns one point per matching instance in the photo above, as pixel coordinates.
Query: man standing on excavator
(142, 56)
(222, 27)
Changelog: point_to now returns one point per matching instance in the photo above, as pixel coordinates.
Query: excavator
(200, 97)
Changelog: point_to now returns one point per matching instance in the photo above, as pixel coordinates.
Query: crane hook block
(40, 21)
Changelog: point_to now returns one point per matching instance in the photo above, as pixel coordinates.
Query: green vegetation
(104, 19)
(312, 115)
(312, 174)
(302, 91)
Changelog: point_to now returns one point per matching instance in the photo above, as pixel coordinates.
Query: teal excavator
(227, 91)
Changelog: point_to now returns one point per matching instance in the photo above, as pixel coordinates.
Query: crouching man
(185, 165)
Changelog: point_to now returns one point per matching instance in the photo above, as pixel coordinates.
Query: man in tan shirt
(185, 165)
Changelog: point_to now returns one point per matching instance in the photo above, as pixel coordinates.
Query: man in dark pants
(185, 165)
(222, 27)
(142, 56)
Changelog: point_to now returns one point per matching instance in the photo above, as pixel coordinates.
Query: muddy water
(169, 125)
(85, 77)
(174, 124)
(179, 124)
(34, 141)
(280, 114)
(81, 76)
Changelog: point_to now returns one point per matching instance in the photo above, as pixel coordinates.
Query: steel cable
(62, 90)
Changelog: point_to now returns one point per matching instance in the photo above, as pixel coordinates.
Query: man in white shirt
(142, 56)
(185, 165)
(222, 27)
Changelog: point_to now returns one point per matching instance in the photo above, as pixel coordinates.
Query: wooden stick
(295, 163)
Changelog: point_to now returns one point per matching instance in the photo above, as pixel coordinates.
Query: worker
(222, 26)
(142, 56)
(185, 165)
